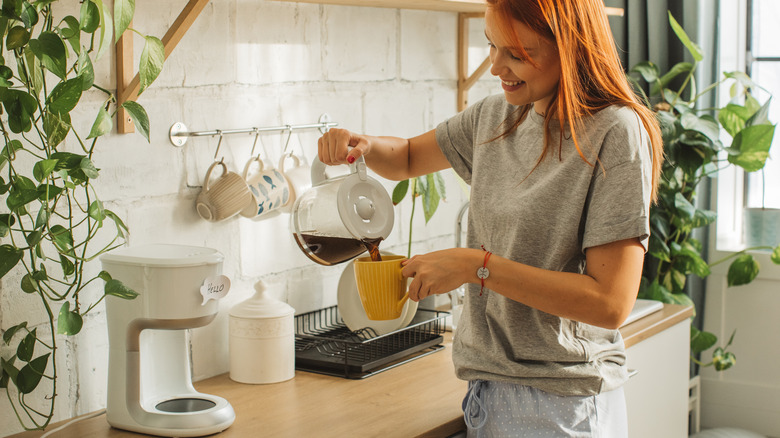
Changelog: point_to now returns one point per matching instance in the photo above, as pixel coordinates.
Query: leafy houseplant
(51, 216)
(430, 188)
(694, 152)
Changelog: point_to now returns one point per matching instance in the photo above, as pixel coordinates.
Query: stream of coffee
(373, 249)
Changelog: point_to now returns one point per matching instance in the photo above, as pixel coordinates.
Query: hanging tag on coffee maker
(214, 288)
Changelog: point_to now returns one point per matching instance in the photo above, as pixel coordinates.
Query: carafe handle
(318, 175)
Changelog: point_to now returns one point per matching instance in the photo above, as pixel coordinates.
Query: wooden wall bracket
(128, 84)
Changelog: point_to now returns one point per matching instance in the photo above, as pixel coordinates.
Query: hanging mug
(298, 176)
(224, 197)
(270, 190)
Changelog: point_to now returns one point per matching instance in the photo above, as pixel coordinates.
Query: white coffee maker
(149, 378)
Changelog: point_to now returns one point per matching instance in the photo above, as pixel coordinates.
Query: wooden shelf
(430, 5)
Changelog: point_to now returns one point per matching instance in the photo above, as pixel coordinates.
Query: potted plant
(428, 187)
(694, 153)
(52, 224)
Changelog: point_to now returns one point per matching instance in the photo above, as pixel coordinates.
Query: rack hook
(219, 143)
(289, 136)
(257, 137)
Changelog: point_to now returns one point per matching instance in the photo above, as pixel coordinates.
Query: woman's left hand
(437, 272)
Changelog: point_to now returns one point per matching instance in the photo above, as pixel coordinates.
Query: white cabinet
(657, 395)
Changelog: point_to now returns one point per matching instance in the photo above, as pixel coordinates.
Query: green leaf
(85, 70)
(399, 192)
(68, 322)
(723, 360)
(703, 218)
(64, 97)
(29, 15)
(735, 117)
(743, 270)
(684, 207)
(71, 32)
(9, 371)
(753, 143)
(34, 237)
(90, 16)
(657, 248)
(102, 125)
(20, 107)
(663, 81)
(705, 124)
(6, 222)
(647, 70)
(431, 197)
(43, 218)
(26, 347)
(30, 375)
(62, 239)
(56, 127)
(50, 49)
(17, 37)
(118, 289)
(42, 169)
(104, 275)
(97, 212)
(152, 58)
(139, 116)
(9, 334)
(701, 341)
(68, 268)
(28, 284)
(9, 257)
(123, 15)
(106, 29)
(775, 257)
(761, 116)
(683, 37)
(88, 167)
(121, 228)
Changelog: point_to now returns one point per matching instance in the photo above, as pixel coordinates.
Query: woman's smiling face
(524, 81)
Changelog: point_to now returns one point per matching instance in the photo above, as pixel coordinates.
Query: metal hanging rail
(179, 134)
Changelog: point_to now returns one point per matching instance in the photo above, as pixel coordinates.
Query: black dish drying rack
(324, 344)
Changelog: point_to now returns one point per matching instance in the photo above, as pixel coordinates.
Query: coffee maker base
(190, 415)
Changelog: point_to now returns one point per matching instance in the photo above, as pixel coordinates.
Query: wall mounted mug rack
(178, 134)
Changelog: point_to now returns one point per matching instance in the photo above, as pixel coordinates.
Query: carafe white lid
(261, 305)
(365, 206)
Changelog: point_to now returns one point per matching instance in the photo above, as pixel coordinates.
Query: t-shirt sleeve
(618, 203)
(456, 137)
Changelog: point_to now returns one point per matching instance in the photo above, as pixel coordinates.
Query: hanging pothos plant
(52, 224)
(430, 188)
(694, 152)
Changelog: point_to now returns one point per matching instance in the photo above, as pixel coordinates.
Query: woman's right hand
(334, 146)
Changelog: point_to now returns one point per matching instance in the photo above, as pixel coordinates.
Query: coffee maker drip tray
(324, 344)
(184, 405)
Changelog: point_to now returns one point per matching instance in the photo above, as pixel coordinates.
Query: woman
(562, 168)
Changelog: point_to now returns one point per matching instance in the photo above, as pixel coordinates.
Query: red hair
(592, 76)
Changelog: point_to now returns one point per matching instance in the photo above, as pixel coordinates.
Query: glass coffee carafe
(340, 218)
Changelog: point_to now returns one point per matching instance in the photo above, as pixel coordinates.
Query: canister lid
(261, 305)
(365, 207)
(163, 255)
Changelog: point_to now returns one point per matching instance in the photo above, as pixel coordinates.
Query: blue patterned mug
(270, 190)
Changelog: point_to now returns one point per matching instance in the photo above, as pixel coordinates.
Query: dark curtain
(643, 33)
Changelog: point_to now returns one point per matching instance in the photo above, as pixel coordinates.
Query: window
(748, 32)
(763, 65)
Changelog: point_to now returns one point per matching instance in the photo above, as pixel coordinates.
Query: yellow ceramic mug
(382, 288)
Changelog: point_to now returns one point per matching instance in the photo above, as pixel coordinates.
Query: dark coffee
(327, 250)
(373, 249)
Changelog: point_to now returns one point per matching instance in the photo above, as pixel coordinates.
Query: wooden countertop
(420, 398)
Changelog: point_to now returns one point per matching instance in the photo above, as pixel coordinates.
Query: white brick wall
(248, 63)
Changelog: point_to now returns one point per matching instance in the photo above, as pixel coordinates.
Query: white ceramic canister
(262, 339)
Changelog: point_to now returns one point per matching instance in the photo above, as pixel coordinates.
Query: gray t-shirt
(545, 218)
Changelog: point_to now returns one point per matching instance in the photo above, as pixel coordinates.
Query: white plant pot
(761, 226)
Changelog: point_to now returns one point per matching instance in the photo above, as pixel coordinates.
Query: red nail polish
(350, 159)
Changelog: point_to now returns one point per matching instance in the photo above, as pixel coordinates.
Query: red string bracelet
(483, 272)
